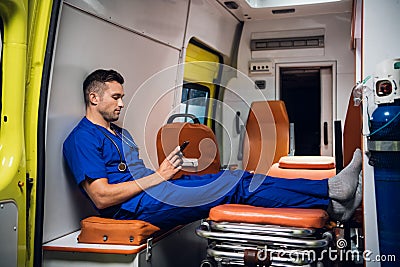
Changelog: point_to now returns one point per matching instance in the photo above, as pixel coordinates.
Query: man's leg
(287, 193)
(182, 201)
(185, 200)
(167, 216)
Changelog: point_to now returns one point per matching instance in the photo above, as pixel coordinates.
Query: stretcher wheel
(254, 258)
(208, 263)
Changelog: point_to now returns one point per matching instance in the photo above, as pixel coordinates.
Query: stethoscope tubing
(122, 164)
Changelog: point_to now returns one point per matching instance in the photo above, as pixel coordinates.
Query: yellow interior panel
(202, 67)
(12, 150)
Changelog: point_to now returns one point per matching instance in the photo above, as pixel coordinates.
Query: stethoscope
(122, 165)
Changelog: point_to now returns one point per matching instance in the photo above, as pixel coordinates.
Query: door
(22, 65)
(307, 93)
(13, 188)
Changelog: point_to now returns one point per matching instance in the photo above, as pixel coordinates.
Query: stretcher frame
(245, 244)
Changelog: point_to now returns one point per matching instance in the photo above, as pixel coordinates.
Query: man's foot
(344, 211)
(343, 185)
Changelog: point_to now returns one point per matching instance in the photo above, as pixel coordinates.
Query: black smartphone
(183, 145)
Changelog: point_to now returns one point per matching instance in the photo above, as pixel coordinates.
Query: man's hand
(171, 164)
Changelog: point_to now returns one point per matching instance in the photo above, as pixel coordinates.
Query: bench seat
(177, 247)
(69, 243)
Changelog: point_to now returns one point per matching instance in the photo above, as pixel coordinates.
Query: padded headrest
(351, 131)
(203, 146)
(267, 135)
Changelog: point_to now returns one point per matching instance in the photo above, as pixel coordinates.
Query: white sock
(344, 184)
(344, 211)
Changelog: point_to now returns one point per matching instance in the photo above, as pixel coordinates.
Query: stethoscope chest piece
(122, 167)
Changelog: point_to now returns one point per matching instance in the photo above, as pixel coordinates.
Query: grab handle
(325, 133)
(183, 115)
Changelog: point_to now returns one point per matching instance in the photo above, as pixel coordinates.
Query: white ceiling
(245, 12)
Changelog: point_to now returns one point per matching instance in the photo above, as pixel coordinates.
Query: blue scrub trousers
(191, 197)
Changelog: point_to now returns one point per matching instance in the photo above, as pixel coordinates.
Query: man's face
(111, 103)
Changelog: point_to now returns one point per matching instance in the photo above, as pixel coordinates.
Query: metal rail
(264, 239)
(261, 229)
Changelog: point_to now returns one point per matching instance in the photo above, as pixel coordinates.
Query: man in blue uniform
(121, 187)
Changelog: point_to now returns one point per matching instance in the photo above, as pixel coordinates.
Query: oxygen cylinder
(384, 146)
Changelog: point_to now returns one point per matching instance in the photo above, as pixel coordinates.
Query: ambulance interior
(232, 54)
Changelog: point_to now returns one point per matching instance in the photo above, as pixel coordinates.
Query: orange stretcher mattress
(292, 217)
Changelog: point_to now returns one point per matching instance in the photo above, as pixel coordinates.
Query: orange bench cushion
(109, 231)
(276, 171)
(292, 217)
(307, 162)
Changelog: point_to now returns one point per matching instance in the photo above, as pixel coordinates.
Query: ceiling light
(281, 3)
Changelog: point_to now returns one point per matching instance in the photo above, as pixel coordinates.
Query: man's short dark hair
(96, 82)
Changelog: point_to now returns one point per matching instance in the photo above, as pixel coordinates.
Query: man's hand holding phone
(172, 163)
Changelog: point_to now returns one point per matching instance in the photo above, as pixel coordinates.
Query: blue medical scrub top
(89, 153)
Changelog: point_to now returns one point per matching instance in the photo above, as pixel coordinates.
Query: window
(195, 98)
